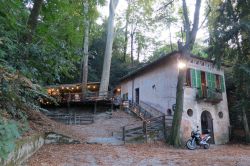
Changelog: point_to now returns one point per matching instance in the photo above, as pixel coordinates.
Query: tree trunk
(85, 50)
(245, 123)
(108, 50)
(132, 48)
(125, 42)
(176, 124)
(32, 20)
(185, 51)
(126, 33)
(138, 53)
(170, 39)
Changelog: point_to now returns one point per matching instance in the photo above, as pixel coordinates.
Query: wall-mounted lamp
(181, 65)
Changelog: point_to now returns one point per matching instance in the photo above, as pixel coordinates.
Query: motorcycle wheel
(206, 146)
(190, 145)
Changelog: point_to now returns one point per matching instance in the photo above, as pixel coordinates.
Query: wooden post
(164, 127)
(68, 102)
(145, 130)
(95, 107)
(123, 133)
(112, 105)
(75, 117)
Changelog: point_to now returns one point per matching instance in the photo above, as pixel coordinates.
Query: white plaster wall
(164, 77)
(220, 126)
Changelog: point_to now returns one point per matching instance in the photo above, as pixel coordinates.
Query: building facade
(205, 101)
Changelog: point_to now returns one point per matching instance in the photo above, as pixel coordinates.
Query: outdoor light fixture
(181, 65)
(67, 87)
(94, 87)
(62, 87)
(88, 86)
(118, 89)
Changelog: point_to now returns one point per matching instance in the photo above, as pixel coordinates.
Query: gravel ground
(140, 154)
(132, 154)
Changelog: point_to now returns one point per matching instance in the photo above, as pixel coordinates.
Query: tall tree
(33, 19)
(138, 18)
(108, 50)
(85, 49)
(185, 52)
(229, 40)
(125, 47)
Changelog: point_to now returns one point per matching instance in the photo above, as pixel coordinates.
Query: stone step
(105, 141)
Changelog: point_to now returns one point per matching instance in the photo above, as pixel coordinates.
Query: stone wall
(25, 148)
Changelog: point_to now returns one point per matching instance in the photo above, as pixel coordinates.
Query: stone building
(205, 99)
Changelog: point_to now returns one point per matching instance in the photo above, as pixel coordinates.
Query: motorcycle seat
(203, 136)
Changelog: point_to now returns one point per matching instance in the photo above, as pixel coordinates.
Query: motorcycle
(198, 139)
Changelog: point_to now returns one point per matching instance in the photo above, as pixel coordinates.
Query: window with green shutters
(222, 84)
(211, 83)
(193, 78)
(198, 82)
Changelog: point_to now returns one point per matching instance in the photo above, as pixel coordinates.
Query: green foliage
(119, 68)
(229, 42)
(17, 95)
(8, 134)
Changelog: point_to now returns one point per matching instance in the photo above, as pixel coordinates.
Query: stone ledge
(25, 147)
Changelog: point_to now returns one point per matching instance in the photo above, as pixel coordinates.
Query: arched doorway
(207, 124)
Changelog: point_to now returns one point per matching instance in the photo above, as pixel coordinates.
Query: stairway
(151, 129)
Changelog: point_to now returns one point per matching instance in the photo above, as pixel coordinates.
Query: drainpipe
(133, 90)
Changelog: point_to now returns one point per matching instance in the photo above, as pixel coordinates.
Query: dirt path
(137, 154)
(141, 155)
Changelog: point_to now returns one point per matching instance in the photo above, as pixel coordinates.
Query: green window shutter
(208, 79)
(198, 81)
(193, 77)
(222, 84)
(213, 81)
(209, 83)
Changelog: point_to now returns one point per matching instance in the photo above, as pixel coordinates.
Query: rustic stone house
(205, 99)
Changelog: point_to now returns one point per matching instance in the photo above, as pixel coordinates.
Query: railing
(72, 119)
(209, 95)
(77, 97)
(139, 111)
(153, 128)
(155, 112)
